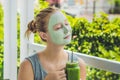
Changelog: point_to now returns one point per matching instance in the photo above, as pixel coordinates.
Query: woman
(49, 64)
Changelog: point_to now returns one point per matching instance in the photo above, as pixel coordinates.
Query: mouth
(67, 37)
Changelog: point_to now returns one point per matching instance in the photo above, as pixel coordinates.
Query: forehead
(57, 17)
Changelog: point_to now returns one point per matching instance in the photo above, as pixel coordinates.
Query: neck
(53, 52)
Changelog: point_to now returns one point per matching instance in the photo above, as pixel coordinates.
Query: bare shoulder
(26, 64)
(25, 71)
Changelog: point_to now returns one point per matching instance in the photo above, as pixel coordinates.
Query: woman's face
(59, 29)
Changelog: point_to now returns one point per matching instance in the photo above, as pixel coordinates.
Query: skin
(54, 56)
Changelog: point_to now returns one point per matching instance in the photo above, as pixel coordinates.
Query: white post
(10, 39)
(26, 15)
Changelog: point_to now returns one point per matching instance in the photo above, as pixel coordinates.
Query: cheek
(59, 33)
(49, 39)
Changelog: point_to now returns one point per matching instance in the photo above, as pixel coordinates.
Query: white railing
(10, 39)
(26, 15)
(96, 62)
(26, 9)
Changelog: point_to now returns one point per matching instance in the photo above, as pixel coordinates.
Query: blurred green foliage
(101, 38)
(18, 41)
(115, 9)
(1, 42)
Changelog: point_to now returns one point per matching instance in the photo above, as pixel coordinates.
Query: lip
(67, 37)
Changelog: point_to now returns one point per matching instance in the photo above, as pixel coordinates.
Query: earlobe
(43, 35)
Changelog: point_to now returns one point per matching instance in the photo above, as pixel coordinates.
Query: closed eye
(57, 26)
(66, 24)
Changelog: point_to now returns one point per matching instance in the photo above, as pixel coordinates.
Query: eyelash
(62, 26)
(66, 24)
(59, 27)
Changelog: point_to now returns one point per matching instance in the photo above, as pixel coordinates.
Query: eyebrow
(60, 22)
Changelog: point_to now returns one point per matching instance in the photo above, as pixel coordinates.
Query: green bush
(1, 43)
(100, 38)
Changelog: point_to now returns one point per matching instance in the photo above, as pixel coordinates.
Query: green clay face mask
(62, 35)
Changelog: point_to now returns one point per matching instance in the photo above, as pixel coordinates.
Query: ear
(43, 35)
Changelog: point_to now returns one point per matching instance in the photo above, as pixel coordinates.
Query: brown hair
(39, 24)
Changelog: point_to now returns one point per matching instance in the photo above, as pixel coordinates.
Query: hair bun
(32, 26)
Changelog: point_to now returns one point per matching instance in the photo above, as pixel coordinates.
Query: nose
(65, 28)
